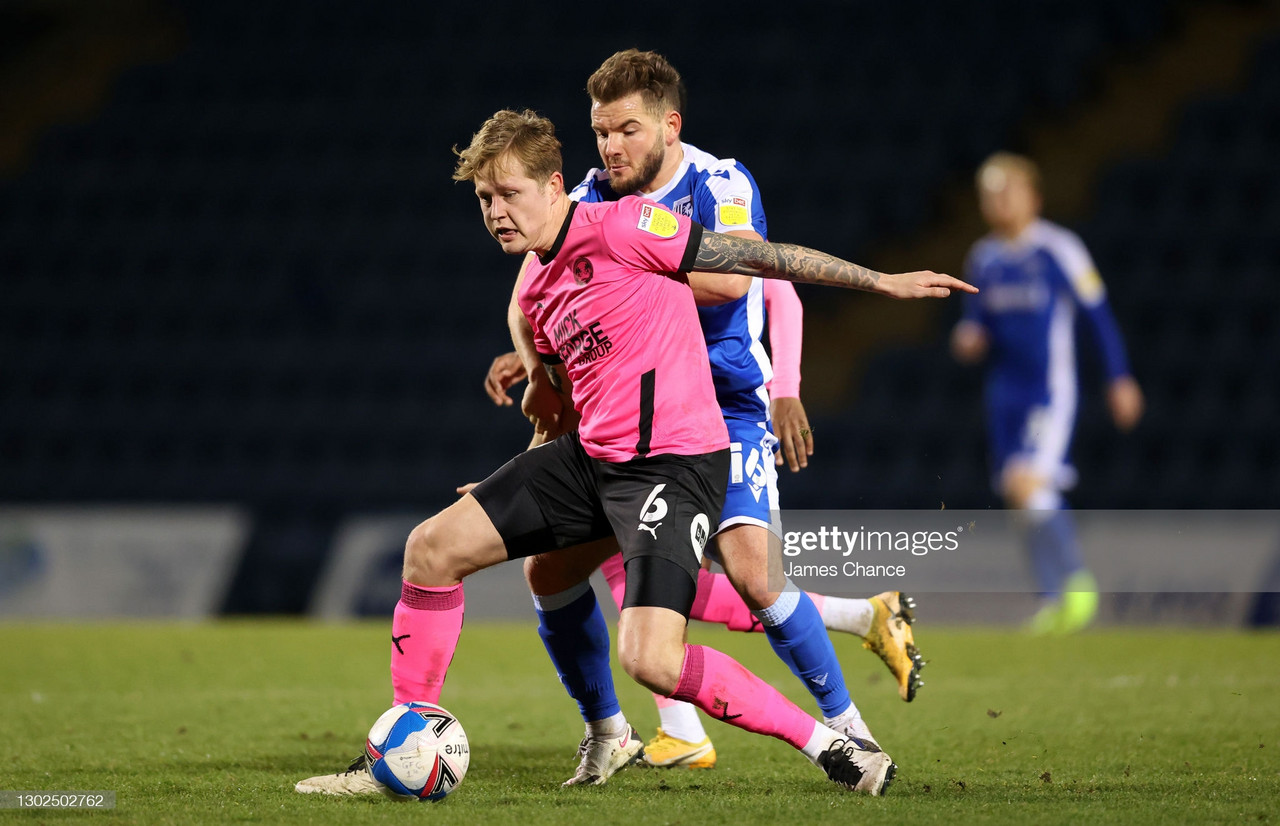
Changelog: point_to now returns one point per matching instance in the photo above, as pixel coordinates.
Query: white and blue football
(418, 751)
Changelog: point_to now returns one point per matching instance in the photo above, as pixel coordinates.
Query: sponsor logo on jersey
(699, 533)
(576, 342)
(1090, 287)
(1016, 297)
(657, 221)
(733, 212)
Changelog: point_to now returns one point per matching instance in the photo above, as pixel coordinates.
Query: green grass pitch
(213, 723)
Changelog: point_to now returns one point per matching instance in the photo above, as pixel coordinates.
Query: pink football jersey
(610, 301)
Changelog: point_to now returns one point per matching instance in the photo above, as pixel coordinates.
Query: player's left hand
(463, 490)
(923, 284)
(1124, 397)
(541, 405)
(795, 436)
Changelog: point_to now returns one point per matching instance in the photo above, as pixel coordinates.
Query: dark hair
(631, 71)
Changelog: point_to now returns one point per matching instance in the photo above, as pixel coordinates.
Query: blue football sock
(1055, 551)
(577, 640)
(795, 630)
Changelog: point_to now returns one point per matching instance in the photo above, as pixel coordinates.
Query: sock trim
(690, 674)
(430, 599)
(554, 602)
(783, 607)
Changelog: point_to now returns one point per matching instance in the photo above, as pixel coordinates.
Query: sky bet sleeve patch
(657, 221)
(733, 212)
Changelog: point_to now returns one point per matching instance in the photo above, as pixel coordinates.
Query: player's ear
(556, 182)
(672, 123)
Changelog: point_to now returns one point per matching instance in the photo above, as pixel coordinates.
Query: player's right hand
(795, 437)
(923, 284)
(1124, 398)
(506, 370)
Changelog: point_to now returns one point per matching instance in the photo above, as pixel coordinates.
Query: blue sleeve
(971, 305)
(727, 199)
(1073, 265)
(1106, 332)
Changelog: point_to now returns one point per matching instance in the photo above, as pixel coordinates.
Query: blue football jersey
(1031, 290)
(722, 196)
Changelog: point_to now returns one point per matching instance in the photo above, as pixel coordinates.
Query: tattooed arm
(728, 254)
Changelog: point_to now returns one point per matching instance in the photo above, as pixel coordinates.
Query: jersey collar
(659, 194)
(559, 242)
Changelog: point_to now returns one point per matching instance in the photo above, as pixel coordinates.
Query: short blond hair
(1009, 162)
(525, 136)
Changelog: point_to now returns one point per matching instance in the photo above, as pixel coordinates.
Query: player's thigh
(664, 507)
(453, 544)
(545, 499)
(551, 572)
(755, 573)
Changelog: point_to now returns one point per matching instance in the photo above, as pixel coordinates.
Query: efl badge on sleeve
(657, 221)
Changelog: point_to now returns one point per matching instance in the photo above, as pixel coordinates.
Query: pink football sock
(616, 575)
(721, 687)
(424, 635)
(718, 601)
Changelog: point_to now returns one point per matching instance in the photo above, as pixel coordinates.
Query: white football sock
(850, 722)
(819, 741)
(852, 616)
(608, 727)
(680, 720)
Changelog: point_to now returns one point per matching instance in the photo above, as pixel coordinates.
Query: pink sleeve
(647, 235)
(786, 333)
(540, 341)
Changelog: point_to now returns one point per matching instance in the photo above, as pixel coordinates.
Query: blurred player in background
(637, 109)
(1035, 277)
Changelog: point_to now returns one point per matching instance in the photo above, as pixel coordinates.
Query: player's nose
(613, 145)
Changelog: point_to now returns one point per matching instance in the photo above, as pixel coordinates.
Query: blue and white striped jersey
(722, 196)
(1031, 288)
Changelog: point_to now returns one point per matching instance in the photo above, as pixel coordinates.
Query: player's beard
(644, 172)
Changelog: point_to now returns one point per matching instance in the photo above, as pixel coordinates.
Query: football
(418, 751)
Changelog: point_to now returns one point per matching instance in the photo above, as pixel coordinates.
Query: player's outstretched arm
(790, 262)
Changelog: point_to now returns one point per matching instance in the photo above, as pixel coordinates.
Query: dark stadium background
(234, 268)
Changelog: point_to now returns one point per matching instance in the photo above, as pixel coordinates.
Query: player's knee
(427, 557)
(651, 662)
(651, 668)
(756, 593)
(544, 574)
(752, 584)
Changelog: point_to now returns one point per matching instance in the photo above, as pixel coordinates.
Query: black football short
(556, 496)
